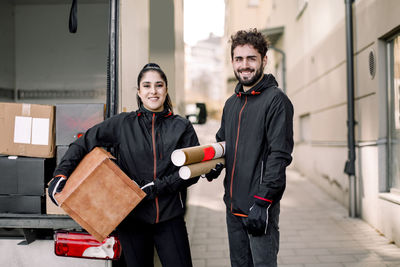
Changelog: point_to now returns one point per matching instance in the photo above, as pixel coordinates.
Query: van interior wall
(7, 64)
(49, 60)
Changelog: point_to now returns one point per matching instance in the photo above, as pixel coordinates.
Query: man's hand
(56, 185)
(215, 172)
(257, 220)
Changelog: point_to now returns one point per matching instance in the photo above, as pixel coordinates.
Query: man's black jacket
(257, 126)
(144, 141)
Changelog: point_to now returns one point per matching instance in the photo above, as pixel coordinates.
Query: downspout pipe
(280, 51)
(350, 163)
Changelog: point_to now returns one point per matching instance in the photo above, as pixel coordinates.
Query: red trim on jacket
(240, 215)
(155, 163)
(261, 198)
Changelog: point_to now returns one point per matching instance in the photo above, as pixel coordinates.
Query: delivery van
(60, 76)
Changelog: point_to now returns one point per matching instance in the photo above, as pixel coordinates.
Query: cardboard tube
(195, 154)
(196, 169)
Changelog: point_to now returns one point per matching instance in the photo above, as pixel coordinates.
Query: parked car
(196, 113)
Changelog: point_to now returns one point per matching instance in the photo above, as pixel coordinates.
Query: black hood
(267, 81)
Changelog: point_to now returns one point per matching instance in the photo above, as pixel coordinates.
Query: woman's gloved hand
(150, 190)
(56, 185)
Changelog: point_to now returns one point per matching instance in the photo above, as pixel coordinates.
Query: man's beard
(253, 80)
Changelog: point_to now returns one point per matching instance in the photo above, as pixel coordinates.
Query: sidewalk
(315, 230)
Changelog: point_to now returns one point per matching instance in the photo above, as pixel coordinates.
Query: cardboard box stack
(27, 160)
(98, 195)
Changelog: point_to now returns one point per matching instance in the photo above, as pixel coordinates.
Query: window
(305, 128)
(394, 112)
(253, 3)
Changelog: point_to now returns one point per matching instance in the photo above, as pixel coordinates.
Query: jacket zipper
(236, 145)
(180, 198)
(262, 171)
(154, 162)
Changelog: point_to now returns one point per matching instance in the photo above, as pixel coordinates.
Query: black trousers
(253, 251)
(170, 238)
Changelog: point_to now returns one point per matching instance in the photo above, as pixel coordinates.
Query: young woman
(144, 141)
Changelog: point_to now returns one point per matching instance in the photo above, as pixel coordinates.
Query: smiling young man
(257, 126)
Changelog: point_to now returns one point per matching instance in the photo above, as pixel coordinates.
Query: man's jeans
(247, 250)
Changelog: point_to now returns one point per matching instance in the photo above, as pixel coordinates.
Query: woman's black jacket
(143, 142)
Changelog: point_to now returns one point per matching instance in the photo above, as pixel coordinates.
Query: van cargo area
(41, 62)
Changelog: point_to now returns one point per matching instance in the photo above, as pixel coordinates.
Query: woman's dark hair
(154, 67)
(251, 37)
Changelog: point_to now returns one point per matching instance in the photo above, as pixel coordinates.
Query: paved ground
(315, 229)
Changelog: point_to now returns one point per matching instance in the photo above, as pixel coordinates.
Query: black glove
(150, 190)
(56, 185)
(257, 220)
(214, 173)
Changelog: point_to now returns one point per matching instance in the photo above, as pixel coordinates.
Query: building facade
(308, 40)
(204, 67)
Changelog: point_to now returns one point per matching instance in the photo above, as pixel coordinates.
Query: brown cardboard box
(27, 130)
(98, 195)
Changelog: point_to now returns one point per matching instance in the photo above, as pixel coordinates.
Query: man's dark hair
(251, 37)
